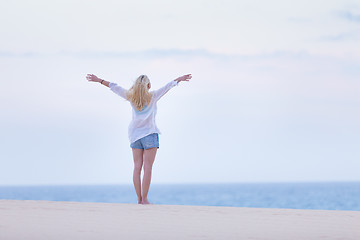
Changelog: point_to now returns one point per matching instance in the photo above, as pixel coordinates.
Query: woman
(143, 132)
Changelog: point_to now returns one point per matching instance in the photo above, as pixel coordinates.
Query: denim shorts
(149, 141)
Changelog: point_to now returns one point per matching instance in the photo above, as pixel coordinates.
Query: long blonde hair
(139, 94)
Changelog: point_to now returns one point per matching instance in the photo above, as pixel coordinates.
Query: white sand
(27, 220)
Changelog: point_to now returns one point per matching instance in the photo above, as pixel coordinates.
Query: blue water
(325, 196)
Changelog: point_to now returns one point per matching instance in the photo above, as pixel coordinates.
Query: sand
(27, 220)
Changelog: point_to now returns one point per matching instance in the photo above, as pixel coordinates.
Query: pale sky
(274, 95)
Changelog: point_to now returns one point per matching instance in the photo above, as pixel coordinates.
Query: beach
(29, 219)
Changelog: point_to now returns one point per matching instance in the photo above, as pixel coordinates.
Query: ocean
(322, 196)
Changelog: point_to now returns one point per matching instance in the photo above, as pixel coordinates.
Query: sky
(274, 95)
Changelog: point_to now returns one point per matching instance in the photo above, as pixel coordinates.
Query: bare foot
(140, 200)
(145, 201)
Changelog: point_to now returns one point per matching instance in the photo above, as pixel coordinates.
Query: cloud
(350, 16)
(193, 53)
(150, 53)
(17, 54)
(341, 36)
(162, 53)
(299, 20)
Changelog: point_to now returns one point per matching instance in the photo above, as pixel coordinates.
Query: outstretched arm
(93, 78)
(186, 78)
(157, 94)
(113, 86)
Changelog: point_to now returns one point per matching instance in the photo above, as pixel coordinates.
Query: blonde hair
(139, 94)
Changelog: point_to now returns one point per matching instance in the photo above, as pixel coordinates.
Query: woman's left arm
(161, 92)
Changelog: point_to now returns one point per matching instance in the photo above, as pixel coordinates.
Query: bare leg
(138, 163)
(149, 158)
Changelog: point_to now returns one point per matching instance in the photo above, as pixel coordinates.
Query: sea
(316, 195)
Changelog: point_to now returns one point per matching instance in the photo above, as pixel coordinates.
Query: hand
(92, 78)
(186, 77)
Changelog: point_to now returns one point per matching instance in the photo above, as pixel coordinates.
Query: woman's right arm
(93, 78)
(113, 86)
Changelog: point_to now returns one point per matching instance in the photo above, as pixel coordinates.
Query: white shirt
(143, 122)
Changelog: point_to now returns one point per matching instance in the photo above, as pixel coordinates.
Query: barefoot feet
(145, 201)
